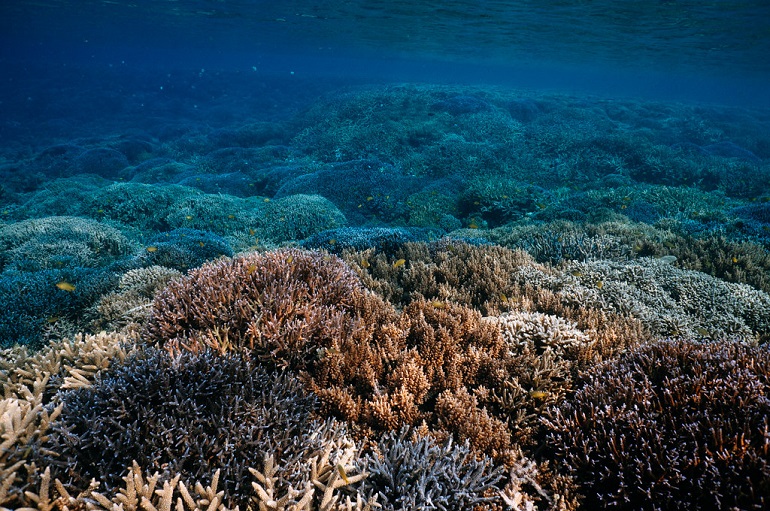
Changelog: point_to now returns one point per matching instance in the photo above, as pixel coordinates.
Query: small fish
(599, 284)
(369, 199)
(360, 206)
(65, 286)
(52, 319)
(290, 259)
(152, 248)
(201, 244)
(252, 232)
(702, 331)
(503, 298)
(668, 259)
(231, 217)
(399, 263)
(623, 206)
(100, 211)
(341, 471)
(265, 200)
(473, 225)
(332, 241)
(438, 304)
(188, 217)
(365, 263)
(251, 269)
(735, 260)
(538, 394)
(576, 273)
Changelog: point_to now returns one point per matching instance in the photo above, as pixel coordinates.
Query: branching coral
(70, 362)
(190, 414)
(671, 425)
(24, 423)
(493, 279)
(412, 472)
(129, 306)
(283, 305)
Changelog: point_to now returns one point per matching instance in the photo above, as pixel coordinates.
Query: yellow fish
(65, 286)
(152, 248)
(188, 217)
(503, 298)
(341, 471)
(365, 263)
(538, 394)
(599, 284)
(290, 259)
(438, 304)
(399, 263)
(251, 269)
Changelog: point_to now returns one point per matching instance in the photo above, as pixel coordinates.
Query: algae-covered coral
(411, 297)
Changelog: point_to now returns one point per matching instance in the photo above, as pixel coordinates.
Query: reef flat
(389, 296)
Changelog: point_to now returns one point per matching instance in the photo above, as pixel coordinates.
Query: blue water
(690, 50)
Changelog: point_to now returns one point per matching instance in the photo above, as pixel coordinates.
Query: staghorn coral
(70, 362)
(412, 472)
(183, 249)
(473, 275)
(139, 491)
(447, 367)
(60, 242)
(491, 279)
(395, 374)
(657, 427)
(668, 300)
(24, 424)
(128, 308)
(741, 262)
(295, 217)
(283, 306)
(189, 414)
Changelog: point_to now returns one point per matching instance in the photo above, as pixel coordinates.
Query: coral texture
(191, 414)
(284, 306)
(671, 425)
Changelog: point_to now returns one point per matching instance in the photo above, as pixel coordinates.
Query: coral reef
(283, 306)
(183, 249)
(296, 217)
(491, 279)
(60, 242)
(227, 412)
(128, 308)
(418, 474)
(49, 303)
(384, 239)
(658, 426)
